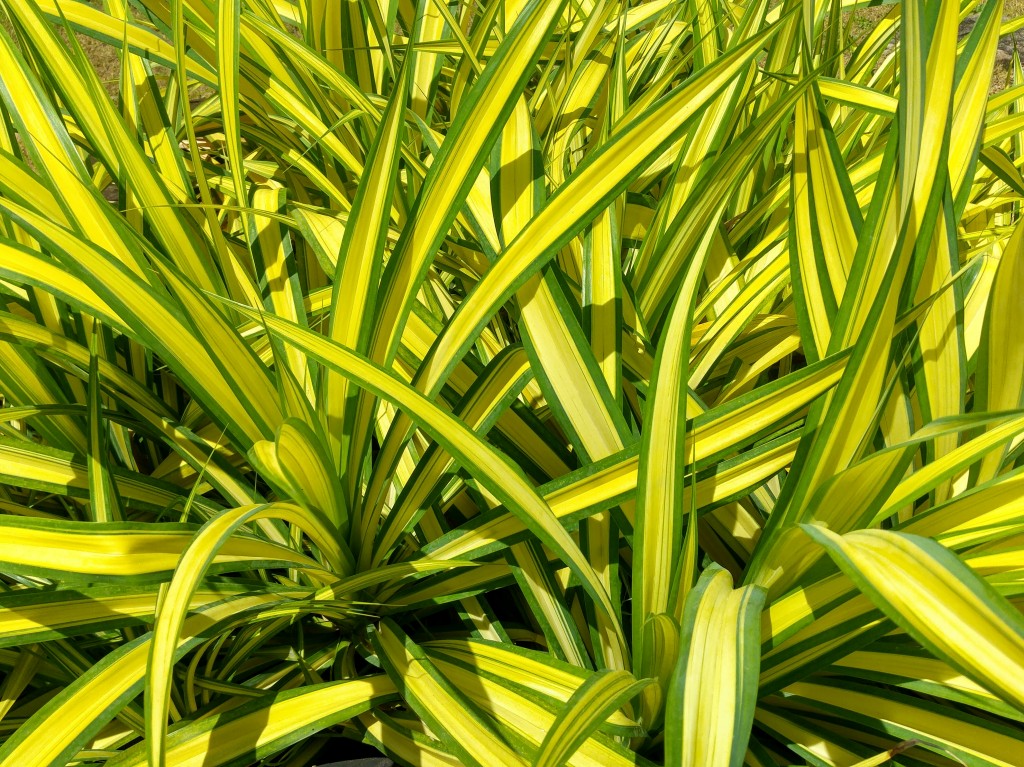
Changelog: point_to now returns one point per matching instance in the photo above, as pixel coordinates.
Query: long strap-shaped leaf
(494, 471)
(714, 434)
(602, 694)
(266, 726)
(52, 736)
(904, 208)
(525, 720)
(353, 295)
(434, 698)
(1000, 377)
(37, 616)
(943, 369)
(481, 116)
(709, 710)
(233, 380)
(603, 175)
(448, 182)
(480, 407)
(190, 570)
(121, 549)
(298, 462)
(665, 449)
(96, 117)
(532, 670)
(896, 715)
(824, 223)
(871, 490)
(925, 589)
(49, 146)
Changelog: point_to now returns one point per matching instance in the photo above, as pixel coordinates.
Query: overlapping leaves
(605, 382)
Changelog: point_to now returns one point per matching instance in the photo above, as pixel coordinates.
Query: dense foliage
(589, 382)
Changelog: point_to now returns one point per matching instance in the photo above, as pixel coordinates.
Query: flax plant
(511, 382)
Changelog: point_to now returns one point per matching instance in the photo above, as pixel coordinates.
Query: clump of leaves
(510, 382)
